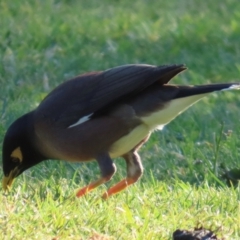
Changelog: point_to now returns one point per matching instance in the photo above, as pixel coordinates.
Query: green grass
(42, 43)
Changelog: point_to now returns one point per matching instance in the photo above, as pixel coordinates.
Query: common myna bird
(100, 116)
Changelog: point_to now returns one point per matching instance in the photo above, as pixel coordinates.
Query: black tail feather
(185, 91)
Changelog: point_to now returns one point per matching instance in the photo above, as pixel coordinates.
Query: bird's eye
(16, 160)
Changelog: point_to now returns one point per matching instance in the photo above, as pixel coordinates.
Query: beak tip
(6, 184)
(8, 180)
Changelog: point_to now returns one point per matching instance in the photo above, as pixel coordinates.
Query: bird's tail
(186, 91)
(179, 98)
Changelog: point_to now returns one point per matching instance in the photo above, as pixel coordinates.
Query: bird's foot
(118, 187)
(83, 191)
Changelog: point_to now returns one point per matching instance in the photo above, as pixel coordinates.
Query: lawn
(43, 43)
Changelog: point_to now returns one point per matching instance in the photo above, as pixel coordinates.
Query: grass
(43, 43)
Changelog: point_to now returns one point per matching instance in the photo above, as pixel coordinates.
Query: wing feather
(89, 93)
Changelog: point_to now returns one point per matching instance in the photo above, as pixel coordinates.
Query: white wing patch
(81, 120)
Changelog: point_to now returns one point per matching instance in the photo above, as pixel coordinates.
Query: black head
(19, 153)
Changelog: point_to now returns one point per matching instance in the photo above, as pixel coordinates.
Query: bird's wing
(84, 95)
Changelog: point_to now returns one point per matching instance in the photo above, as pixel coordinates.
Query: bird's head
(18, 152)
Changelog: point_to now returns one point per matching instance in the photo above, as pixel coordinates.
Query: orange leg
(118, 187)
(107, 168)
(134, 172)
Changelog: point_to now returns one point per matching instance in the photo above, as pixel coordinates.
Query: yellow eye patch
(17, 153)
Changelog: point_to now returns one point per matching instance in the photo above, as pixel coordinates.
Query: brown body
(100, 116)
